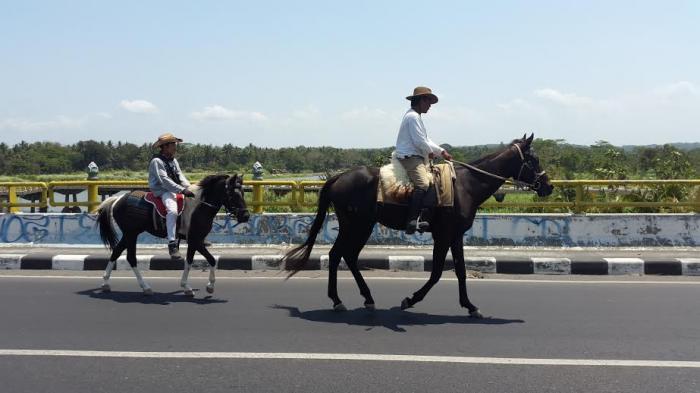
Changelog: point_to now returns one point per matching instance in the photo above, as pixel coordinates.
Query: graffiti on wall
(555, 230)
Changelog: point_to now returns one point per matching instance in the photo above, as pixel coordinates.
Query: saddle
(396, 188)
(160, 206)
(145, 204)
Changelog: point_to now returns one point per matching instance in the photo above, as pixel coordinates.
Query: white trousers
(170, 203)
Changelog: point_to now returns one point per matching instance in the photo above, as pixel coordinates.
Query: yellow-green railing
(92, 187)
(295, 194)
(13, 188)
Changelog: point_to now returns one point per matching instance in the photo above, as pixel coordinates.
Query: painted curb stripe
(534, 265)
(266, 262)
(481, 264)
(142, 261)
(407, 263)
(590, 267)
(551, 265)
(68, 262)
(690, 266)
(514, 266)
(663, 267)
(234, 263)
(621, 266)
(11, 261)
(38, 261)
(356, 357)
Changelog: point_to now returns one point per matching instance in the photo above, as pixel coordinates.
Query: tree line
(561, 160)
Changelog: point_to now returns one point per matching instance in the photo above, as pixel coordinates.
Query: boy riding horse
(414, 148)
(165, 179)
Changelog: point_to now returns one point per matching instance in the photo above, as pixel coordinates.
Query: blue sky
(335, 73)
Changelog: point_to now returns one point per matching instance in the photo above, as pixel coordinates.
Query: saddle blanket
(395, 187)
(160, 206)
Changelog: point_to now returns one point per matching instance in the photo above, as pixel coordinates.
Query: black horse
(353, 194)
(133, 216)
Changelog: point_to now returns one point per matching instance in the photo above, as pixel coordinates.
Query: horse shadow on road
(158, 298)
(391, 319)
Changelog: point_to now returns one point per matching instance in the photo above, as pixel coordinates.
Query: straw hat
(165, 139)
(423, 91)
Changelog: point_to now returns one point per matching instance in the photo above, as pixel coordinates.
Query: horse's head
(234, 201)
(530, 172)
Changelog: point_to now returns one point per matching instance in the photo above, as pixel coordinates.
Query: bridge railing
(299, 195)
(14, 190)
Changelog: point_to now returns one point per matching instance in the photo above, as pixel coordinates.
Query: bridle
(534, 186)
(231, 211)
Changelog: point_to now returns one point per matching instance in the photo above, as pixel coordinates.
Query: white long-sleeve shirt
(413, 139)
(158, 180)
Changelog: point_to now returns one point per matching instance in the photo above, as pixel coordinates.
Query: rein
(516, 182)
(232, 212)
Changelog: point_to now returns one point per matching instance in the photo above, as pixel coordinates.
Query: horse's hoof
(339, 307)
(106, 288)
(210, 289)
(476, 314)
(189, 293)
(406, 303)
(148, 292)
(370, 306)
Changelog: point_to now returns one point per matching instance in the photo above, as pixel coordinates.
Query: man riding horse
(165, 179)
(414, 149)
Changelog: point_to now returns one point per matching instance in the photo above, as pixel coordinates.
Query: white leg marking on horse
(143, 284)
(212, 279)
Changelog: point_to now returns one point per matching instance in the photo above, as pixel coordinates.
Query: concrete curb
(486, 264)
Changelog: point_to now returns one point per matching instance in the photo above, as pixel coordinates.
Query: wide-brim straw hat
(165, 139)
(423, 91)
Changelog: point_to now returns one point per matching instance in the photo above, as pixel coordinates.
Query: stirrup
(415, 225)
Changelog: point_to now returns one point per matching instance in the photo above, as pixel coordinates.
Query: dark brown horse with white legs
(134, 215)
(353, 194)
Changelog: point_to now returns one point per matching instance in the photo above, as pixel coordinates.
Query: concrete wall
(489, 229)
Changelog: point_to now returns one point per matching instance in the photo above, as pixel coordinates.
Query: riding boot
(414, 210)
(174, 249)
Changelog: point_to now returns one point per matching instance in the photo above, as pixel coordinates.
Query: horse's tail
(295, 259)
(104, 220)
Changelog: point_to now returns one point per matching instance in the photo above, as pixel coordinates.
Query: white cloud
(666, 113)
(60, 122)
(682, 88)
(566, 99)
(219, 113)
(139, 106)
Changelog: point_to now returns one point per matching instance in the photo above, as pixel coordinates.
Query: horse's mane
(494, 154)
(208, 183)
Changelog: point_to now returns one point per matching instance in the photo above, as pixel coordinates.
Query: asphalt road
(262, 334)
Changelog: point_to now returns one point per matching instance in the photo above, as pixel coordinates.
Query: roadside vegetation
(45, 161)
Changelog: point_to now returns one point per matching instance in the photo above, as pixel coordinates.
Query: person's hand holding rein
(186, 192)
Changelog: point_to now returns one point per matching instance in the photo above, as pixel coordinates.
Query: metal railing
(16, 189)
(294, 196)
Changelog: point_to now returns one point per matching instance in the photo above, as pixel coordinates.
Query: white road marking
(354, 357)
(470, 281)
